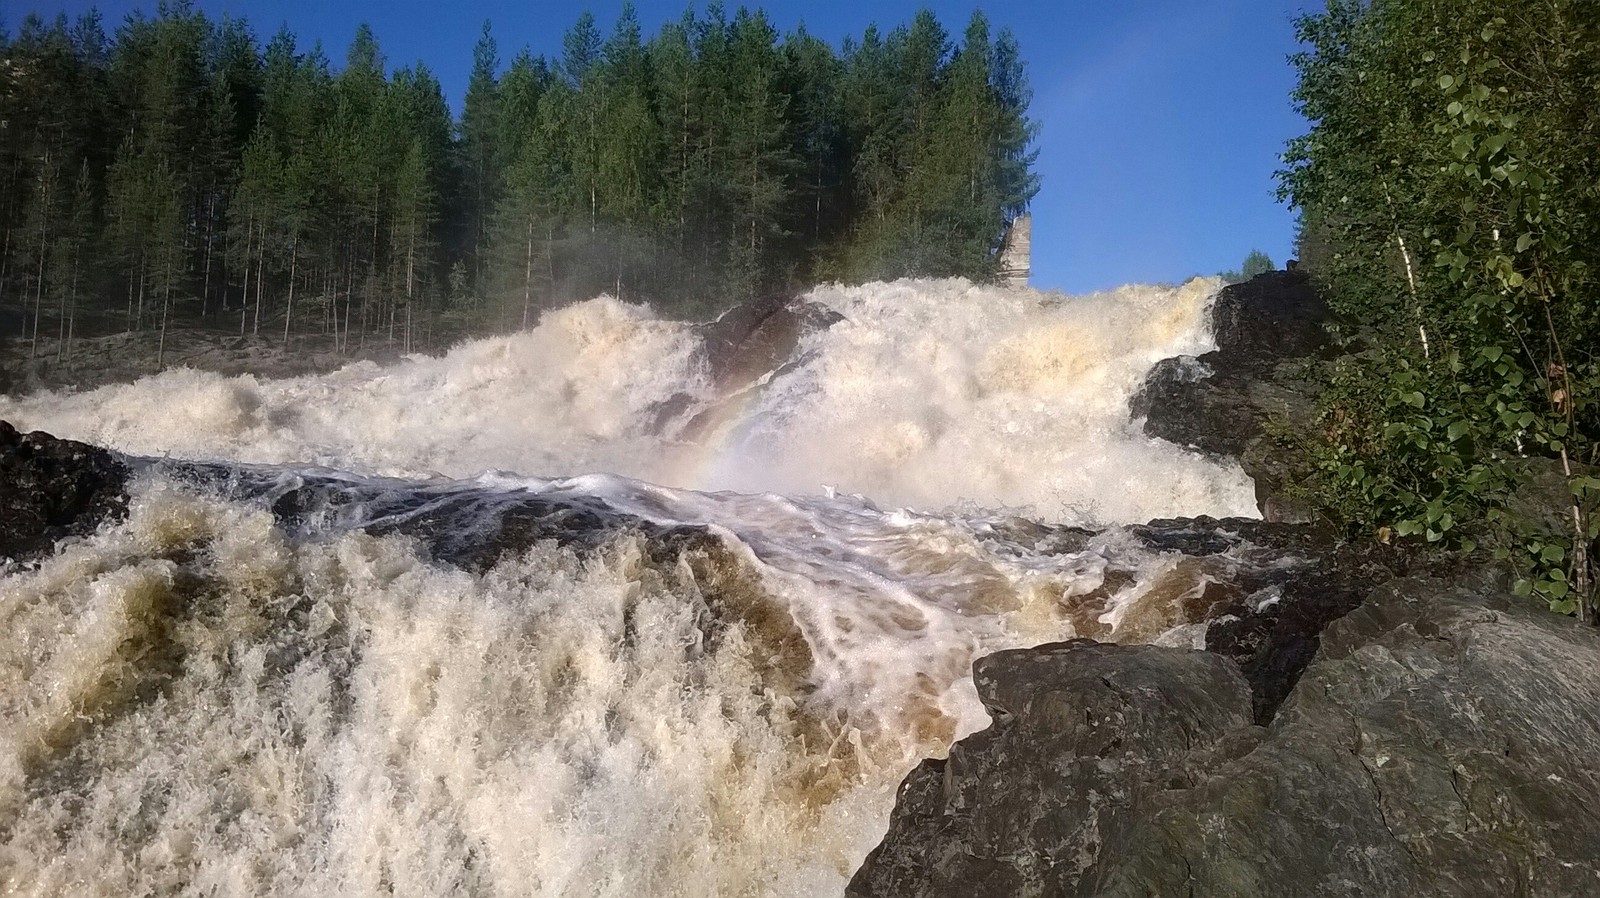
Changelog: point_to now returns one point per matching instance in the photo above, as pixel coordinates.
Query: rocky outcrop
(1440, 744)
(1220, 403)
(741, 350)
(52, 489)
(1280, 586)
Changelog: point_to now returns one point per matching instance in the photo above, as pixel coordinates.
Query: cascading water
(220, 697)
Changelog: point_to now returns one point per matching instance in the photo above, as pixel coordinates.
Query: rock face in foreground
(51, 489)
(1441, 744)
(1220, 402)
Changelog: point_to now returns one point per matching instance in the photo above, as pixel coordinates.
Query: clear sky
(1162, 120)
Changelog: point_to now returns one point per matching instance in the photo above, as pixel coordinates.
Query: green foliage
(710, 162)
(1257, 262)
(1449, 186)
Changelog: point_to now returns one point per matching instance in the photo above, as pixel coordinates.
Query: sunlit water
(204, 701)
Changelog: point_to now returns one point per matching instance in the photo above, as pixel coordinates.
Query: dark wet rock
(1220, 403)
(52, 489)
(1082, 732)
(455, 522)
(1281, 585)
(739, 350)
(753, 338)
(1440, 744)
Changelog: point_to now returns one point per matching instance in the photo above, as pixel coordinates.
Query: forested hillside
(177, 168)
(1450, 197)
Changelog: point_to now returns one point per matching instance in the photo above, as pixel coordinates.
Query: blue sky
(1162, 120)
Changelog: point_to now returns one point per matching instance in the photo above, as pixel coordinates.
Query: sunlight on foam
(928, 394)
(196, 703)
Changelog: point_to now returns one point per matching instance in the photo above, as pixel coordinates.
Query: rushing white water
(198, 701)
(928, 394)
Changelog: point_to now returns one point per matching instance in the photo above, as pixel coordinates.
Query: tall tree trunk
(5, 260)
(261, 275)
(244, 298)
(205, 284)
(144, 276)
(349, 302)
(527, 279)
(288, 312)
(166, 304)
(38, 285)
(61, 317)
(72, 309)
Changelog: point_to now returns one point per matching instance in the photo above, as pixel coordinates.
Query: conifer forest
(176, 169)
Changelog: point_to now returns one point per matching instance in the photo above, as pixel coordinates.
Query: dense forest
(179, 170)
(1449, 190)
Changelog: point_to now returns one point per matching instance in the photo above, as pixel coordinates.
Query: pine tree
(411, 235)
(763, 162)
(480, 145)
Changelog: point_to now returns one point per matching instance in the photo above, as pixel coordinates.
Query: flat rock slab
(1441, 744)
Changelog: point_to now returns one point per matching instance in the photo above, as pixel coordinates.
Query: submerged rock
(1220, 403)
(1440, 744)
(51, 489)
(454, 522)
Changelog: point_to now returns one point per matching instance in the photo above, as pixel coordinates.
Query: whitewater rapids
(202, 700)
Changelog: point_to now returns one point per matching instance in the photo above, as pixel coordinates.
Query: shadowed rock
(1220, 402)
(1441, 744)
(51, 489)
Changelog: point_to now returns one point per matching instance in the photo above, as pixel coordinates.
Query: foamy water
(198, 702)
(929, 394)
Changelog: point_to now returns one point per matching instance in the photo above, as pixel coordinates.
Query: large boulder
(741, 349)
(1221, 402)
(51, 489)
(1441, 744)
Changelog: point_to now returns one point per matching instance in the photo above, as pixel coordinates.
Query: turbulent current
(283, 673)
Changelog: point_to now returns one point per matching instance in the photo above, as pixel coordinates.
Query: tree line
(179, 170)
(1449, 191)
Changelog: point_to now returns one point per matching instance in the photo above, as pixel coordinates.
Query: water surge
(232, 693)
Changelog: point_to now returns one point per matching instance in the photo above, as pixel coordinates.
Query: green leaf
(1456, 429)
(1523, 242)
(1553, 555)
(1446, 82)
